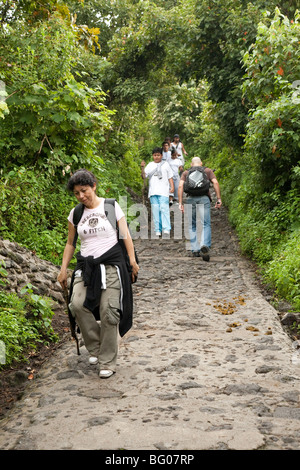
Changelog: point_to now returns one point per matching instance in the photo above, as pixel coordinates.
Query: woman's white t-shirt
(96, 233)
(175, 163)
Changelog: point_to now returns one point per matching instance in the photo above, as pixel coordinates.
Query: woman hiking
(101, 282)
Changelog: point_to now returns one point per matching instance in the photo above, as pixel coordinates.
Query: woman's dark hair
(81, 177)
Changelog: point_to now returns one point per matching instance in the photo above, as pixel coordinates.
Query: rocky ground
(206, 366)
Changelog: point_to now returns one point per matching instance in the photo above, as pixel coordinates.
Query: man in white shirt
(161, 184)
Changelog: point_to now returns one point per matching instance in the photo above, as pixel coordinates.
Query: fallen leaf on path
(252, 328)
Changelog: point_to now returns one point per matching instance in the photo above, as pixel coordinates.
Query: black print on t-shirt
(93, 222)
(93, 215)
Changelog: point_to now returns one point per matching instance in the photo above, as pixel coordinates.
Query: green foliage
(284, 270)
(24, 323)
(217, 33)
(272, 86)
(54, 120)
(38, 310)
(31, 216)
(267, 223)
(109, 17)
(260, 183)
(272, 61)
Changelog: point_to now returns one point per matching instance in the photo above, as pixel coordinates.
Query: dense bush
(55, 120)
(272, 87)
(34, 211)
(261, 182)
(283, 271)
(24, 323)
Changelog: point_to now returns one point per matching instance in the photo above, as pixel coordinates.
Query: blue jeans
(160, 213)
(198, 208)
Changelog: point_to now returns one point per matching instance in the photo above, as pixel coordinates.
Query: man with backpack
(195, 182)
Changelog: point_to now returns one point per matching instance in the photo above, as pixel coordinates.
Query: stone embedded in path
(187, 385)
(69, 374)
(265, 369)
(187, 360)
(98, 421)
(243, 389)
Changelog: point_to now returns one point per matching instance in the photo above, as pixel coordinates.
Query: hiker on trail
(178, 145)
(195, 182)
(176, 166)
(166, 152)
(101, 282)
(161, 184)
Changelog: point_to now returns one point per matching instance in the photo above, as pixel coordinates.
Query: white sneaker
(93, 360)
(105, 373)
(158, 234)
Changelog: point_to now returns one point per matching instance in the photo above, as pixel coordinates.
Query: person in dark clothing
(199, 203)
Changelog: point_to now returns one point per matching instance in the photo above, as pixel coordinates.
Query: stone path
(206, 365)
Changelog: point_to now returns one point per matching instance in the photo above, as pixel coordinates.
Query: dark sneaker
(196, 254)
(204, 252)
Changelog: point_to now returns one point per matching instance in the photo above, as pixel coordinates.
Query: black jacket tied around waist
(91, 274)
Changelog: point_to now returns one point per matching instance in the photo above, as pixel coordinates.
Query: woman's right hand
(135, 268)
(63, 278)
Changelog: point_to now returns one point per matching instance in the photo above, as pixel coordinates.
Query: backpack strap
(196, 168)
(78, 211)
(109, 209)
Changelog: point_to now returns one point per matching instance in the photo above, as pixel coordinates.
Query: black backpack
(109, 209)
(197, 182)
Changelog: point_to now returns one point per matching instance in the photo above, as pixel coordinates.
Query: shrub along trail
(206, 365)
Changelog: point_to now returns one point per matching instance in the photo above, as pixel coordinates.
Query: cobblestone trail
(206, 365)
